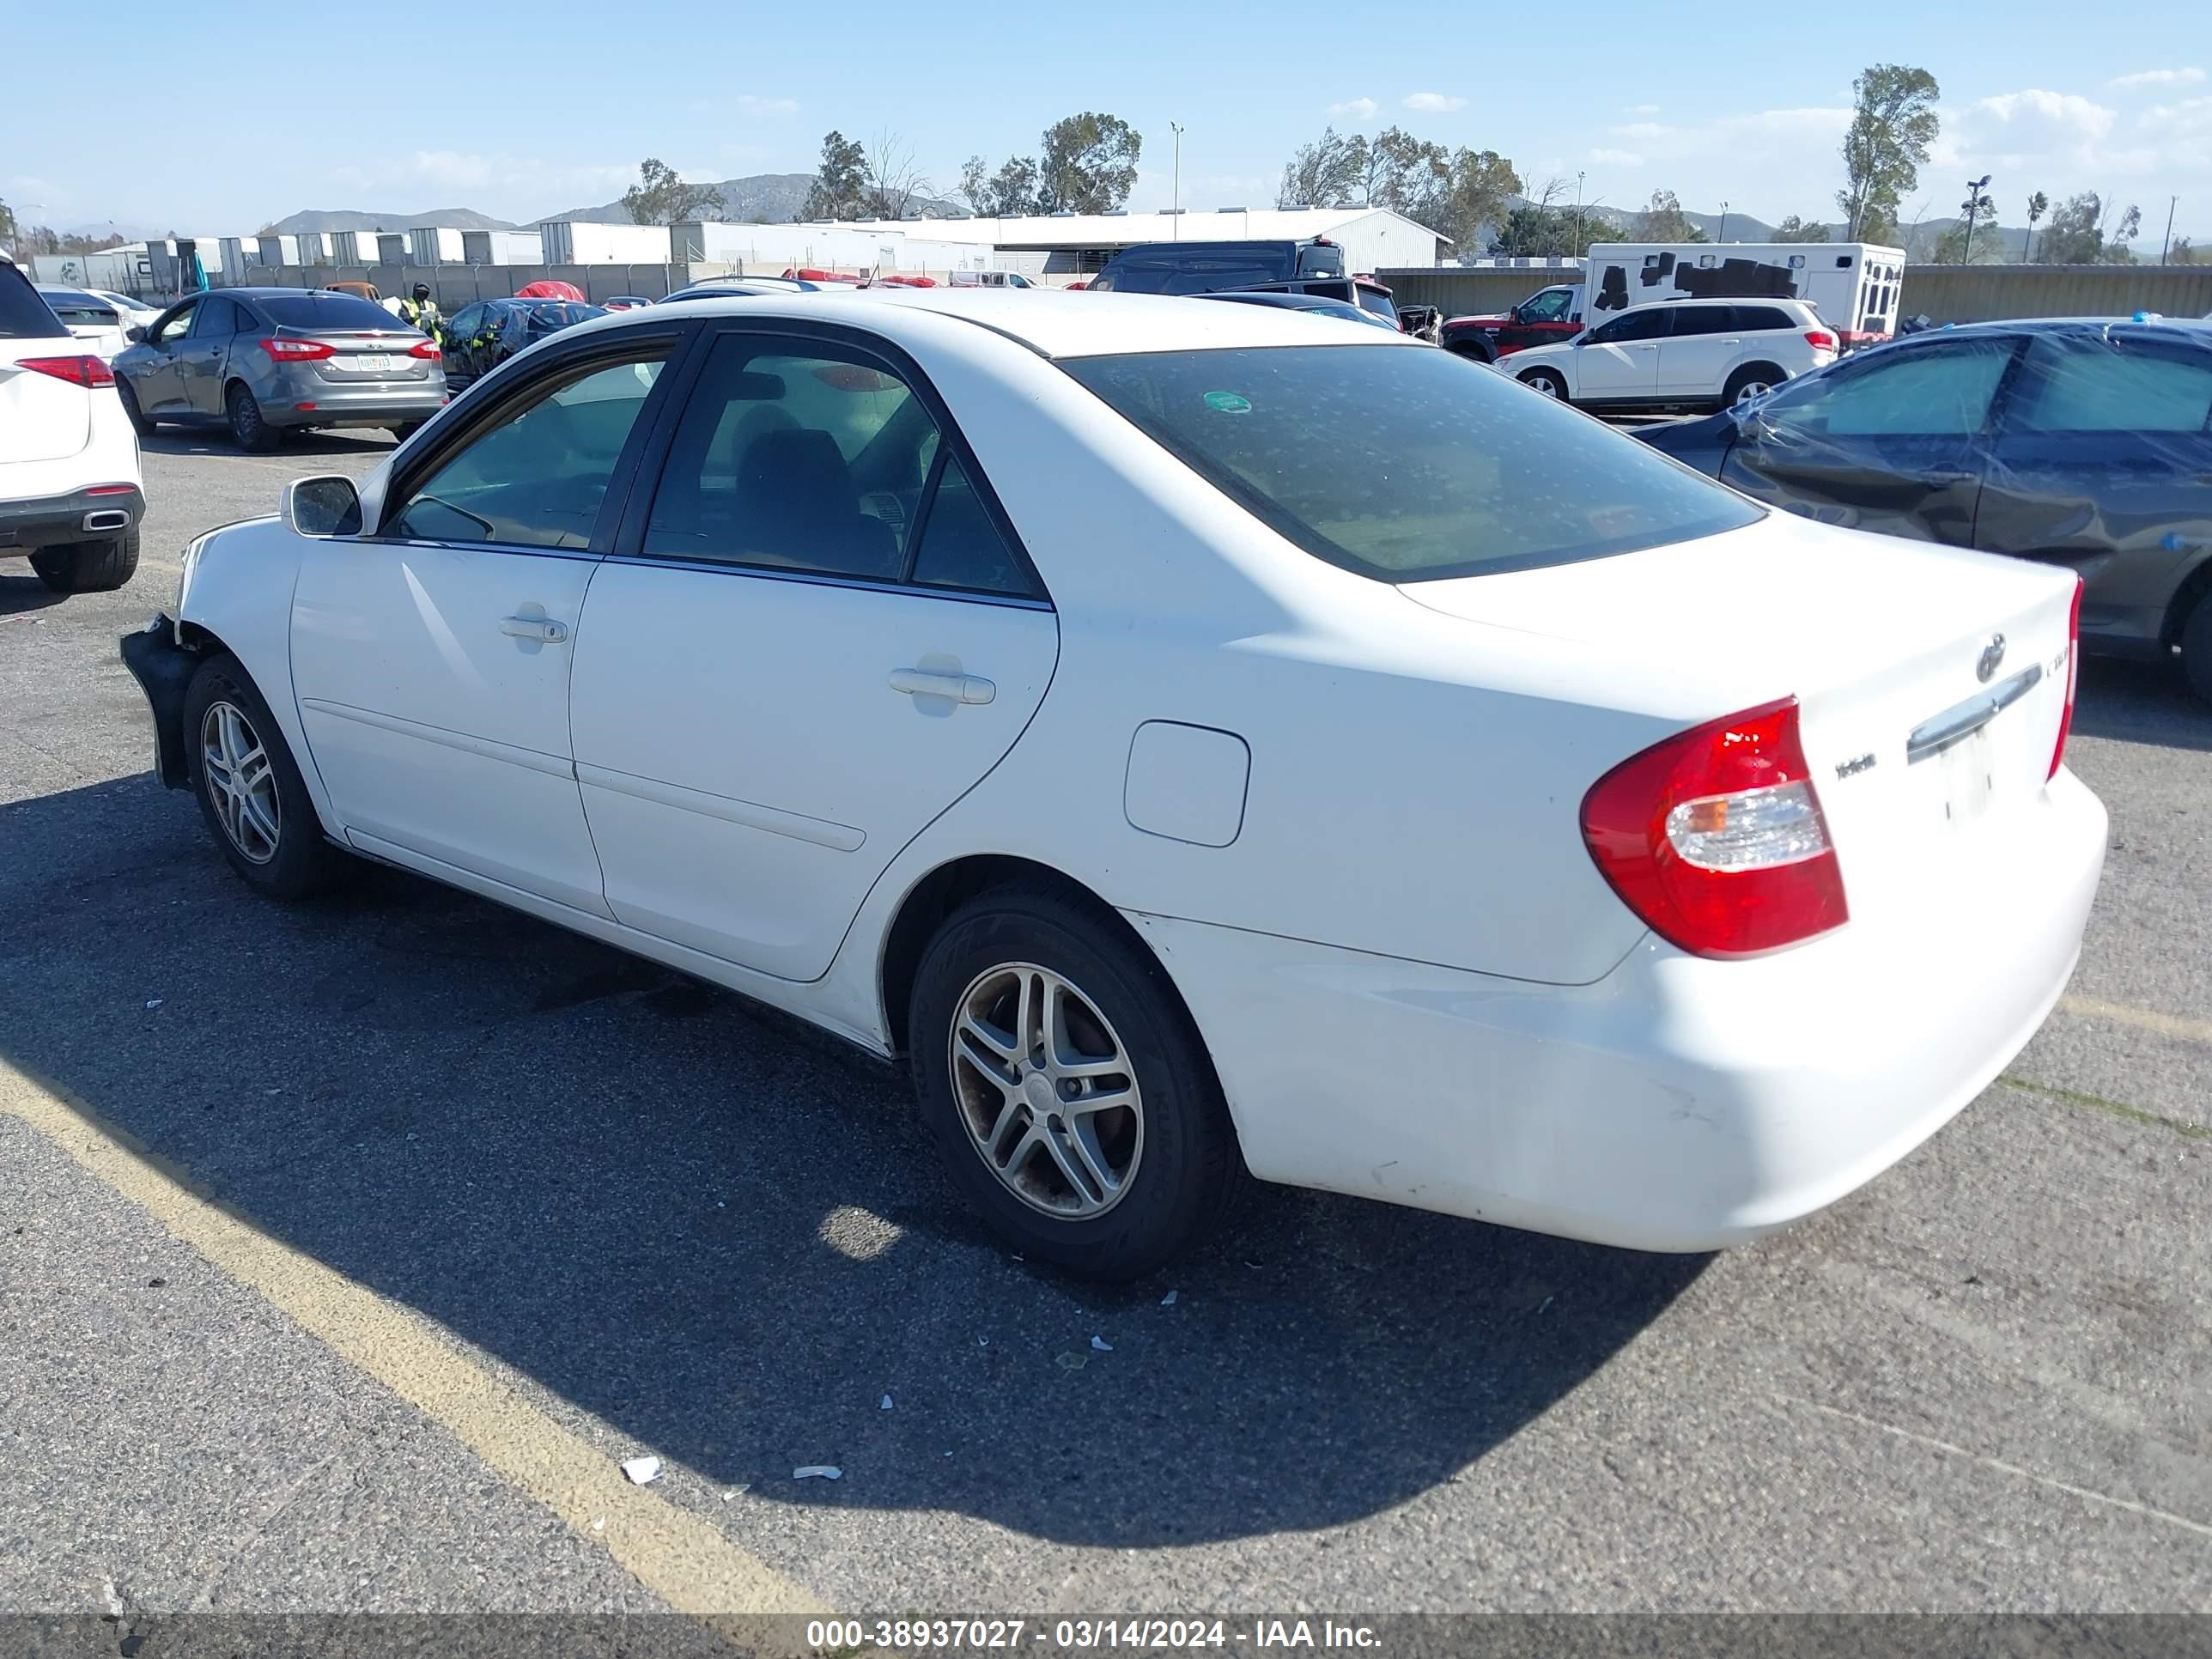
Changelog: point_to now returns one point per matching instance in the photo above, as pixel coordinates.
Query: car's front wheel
(131, 412)
(249, 787)
(249, 430)
(1549, 382)
(87, 567)
(1065, 1085)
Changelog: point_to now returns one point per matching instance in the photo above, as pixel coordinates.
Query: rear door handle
(543, 630)
(960, 688)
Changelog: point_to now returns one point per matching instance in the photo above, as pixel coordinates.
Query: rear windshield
(1408, 464)
(1199, 273)
(23, 314)
(322, 311)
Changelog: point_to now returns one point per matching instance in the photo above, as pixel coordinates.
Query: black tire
(2197, 649)
(1547, 382)
(1185, 1160)
(131, 412)
(402, 434)
(248, 430)
(1477, 351)
(87, 567)
(299, 862)
(1751, 375)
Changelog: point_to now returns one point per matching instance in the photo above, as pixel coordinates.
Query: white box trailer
(1854, 284)
(432, 245)
(585, 242)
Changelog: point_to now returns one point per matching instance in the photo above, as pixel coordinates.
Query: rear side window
(1373, 300)
(1928, 391)
(538, 476)
(2091, 386)
(23, 314)
(1704, 319)
(317, 311)
(1753, 319)
(1399, 463)
(961, 546)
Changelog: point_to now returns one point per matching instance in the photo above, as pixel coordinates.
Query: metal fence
(1944, 294)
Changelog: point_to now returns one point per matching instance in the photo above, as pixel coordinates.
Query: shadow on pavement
(214, 441)
(2139, 702)
(22, 590)
(726, 1237)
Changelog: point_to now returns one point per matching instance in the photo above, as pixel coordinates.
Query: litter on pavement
(1169, 1300)
(817, 1472)
(641, 1470)
(887, 1403)
(1102, 1345)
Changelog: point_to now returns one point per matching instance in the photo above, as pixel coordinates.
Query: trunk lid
(1930, 681)
(365, 354)
(42, 418)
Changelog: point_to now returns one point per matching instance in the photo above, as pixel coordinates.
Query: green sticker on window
(1229, 402)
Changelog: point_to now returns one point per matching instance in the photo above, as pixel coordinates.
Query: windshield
(1408, 465)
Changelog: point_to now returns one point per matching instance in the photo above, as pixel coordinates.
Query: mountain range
(323, 219)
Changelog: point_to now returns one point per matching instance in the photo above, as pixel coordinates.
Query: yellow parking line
(689, 1565)
(2146, 1019)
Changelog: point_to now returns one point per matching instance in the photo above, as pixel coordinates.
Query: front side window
(2090, 384)
(1637, 326)
(1397, 464)
(806, 460)
(175, 326)
(1549, 307)
(1933, 392)
(539, 476)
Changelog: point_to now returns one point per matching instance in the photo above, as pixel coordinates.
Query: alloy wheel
(241, 784)
(1751, 389)
(1046, 1090)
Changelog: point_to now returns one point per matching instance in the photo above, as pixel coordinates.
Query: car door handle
(961, 688)
(543, 630)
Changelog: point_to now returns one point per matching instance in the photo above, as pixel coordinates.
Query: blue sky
(1743, 105)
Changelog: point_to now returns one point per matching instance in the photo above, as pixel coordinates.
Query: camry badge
(1852, 768)
(1992, 655)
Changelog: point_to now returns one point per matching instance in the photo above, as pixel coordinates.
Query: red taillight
(1820, 339)
(1714, 838)
(112, 489)
(423, 349)
(77, 370)
(2073, 679)
(297, 351)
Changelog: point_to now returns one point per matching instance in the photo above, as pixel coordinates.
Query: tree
(2076, 235)
(1665, 222)
(2038, 205)
(890, 183)
(1795, 229)
(1979, 211)
(2117, 250)
(1536, 228)
(1893, 122)
(1329, 170)
(1009, 193)
(1087, 163)
(839, 190)
(7, 223)
(661, 197)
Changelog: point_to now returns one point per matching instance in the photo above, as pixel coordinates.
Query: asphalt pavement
(347, 1249)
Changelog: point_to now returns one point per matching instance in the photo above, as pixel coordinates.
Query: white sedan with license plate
(1200, 739)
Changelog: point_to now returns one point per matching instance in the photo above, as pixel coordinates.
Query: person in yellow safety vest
(419, 311)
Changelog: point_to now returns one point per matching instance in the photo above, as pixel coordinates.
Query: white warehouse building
(1066, 247)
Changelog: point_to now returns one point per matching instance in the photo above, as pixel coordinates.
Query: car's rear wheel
(1546, 381)
(87, 567)
(1068, 1090)
(2197, 649)
(249, 787)
(248, 429)
(131, 412)
(1752, 380)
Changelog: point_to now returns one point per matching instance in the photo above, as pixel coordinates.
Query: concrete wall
(1946, 294)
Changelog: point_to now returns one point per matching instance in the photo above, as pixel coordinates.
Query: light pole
(1578, 250)
(1175, 231)
(1974, 189)
(2166, 246)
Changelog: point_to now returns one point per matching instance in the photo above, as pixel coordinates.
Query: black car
(1320, 304)
(481, 337)
(2082, 443)
(1210, 267)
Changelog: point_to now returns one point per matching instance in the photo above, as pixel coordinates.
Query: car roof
(2188, 328)
(1050, 322)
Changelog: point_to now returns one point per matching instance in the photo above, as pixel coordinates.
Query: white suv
(1702, 353)
(71, 494)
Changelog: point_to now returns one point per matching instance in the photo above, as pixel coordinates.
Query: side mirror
(320, 506)
(134, 333)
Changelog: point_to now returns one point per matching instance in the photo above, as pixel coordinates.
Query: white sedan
(1679, 354)
(1197, 738)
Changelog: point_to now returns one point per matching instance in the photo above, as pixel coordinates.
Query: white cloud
(2161, 77)
(1433, 103)
(1619, 158)
(1769, 162)
(1358, 109)
(749, 104)
(1643, 109)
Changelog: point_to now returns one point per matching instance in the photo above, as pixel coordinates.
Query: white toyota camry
(1195, 736)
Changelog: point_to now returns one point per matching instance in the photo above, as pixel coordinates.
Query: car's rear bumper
(319, 402)
(1679, 1103)
(92, 514)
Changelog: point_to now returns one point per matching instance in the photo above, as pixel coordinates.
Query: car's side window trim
(623, 347)
(795, 334)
